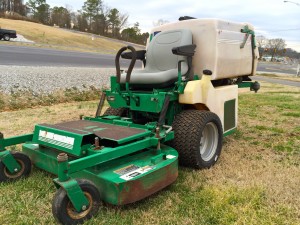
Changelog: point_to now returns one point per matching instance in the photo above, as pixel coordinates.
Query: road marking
(271, 68)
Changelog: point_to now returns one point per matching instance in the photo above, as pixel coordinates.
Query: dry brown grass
(23, 121)
(252, 159)
(282, 76)
(58, 38)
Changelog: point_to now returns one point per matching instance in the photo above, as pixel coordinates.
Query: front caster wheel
(65, 213)
(25, 164)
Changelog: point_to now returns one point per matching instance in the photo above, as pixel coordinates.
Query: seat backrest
(159, 54)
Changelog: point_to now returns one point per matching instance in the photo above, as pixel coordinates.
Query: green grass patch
(189, 201)
(292, 114)
(272, 129)
(21, 99)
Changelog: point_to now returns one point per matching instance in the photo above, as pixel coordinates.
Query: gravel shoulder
(49, 79)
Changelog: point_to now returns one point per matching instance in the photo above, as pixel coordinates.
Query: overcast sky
(271, 18)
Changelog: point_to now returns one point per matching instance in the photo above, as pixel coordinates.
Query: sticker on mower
(136, 172)
(56, 139)
(170, 156)
(126, 169)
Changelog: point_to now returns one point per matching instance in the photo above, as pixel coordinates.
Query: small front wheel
(64, 211)
(25, 168)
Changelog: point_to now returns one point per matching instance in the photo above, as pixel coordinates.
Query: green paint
(151, 37)
(74, 149)
(14, 140)
(114, 189)
(246, 30)
(101, 169)
(74, 193)
(151, 101)
(245, 84)
(196, 77)
(229, 132)
(108, 154)
(9, 161)
(229, 115)
(63, 171)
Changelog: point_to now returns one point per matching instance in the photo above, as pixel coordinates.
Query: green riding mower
(177, 109)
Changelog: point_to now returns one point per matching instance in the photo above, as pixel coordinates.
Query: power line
(284, 30)
(296, 3)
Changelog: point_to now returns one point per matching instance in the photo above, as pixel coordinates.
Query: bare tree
(276, 46)
(262, 44)
(160, 22)
(123, 20)
(13, 6)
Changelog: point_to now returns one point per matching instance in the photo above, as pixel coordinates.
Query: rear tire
(6, 37)
(115, 112)
(198, 138)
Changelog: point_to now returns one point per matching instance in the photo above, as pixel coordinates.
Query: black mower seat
(161, 68)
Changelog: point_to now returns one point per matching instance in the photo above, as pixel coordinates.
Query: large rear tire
(115, 112)
(198, 138)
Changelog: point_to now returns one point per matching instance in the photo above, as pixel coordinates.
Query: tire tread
(187, 127)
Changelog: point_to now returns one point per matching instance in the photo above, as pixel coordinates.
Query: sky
(271, 18)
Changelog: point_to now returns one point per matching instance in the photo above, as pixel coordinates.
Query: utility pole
(298, 4)
(298, 67)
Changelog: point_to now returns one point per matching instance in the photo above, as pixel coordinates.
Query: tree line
(274, 48)
(94, 17)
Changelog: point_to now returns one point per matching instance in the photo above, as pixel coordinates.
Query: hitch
(254, 86)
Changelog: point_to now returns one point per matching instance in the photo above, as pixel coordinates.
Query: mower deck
(127, 166)
(120, 181)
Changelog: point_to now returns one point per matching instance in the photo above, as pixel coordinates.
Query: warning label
(137, 172)
(126, 169)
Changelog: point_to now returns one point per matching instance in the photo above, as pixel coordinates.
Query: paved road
(277, 68)
(277, 81)
(30, 56)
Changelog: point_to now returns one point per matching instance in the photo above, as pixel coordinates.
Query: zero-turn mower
(176, 109)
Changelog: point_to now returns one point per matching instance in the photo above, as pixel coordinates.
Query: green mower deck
(120, 181)
(132, 166)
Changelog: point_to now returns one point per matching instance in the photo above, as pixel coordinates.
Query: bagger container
(226, 48)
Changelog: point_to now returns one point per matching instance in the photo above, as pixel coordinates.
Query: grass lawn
(256, 181)
(281, 76)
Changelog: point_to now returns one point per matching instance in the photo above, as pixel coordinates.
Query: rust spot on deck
(136, 190)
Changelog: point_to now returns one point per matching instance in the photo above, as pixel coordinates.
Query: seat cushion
(161, 64)
(154, 78)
